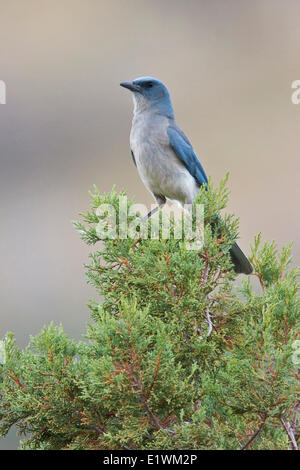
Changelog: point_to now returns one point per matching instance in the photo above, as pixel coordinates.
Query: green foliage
(177, 357)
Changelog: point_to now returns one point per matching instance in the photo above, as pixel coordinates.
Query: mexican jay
(163, 155)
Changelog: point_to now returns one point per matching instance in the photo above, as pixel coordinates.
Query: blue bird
(163, 155)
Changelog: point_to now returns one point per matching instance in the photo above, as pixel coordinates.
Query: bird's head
(149, 93)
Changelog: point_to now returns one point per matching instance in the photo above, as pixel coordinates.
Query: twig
(261, 281)
(155, 376)
(205, 274)
(295, 420)
(289, 430)
(153, 418)
(207, 313)
(254, 436)
(210, 324)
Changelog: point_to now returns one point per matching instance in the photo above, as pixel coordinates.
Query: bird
(164, 157)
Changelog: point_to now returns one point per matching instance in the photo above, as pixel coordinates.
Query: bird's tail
(239, 260)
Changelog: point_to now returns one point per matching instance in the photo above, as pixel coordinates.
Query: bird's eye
(149, 84)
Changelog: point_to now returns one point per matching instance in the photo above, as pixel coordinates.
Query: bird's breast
(149, 143)
(160, 169)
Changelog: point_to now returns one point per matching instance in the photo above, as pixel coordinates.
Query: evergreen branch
(142, 376)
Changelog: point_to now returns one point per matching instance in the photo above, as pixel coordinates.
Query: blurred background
(229, 67)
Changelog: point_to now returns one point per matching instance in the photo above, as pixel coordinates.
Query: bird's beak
(131, 86)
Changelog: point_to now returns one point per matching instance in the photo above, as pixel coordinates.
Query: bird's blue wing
(186, 154)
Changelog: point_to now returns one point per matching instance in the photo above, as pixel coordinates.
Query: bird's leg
(161, 200)
(145, 219)
(151, 213)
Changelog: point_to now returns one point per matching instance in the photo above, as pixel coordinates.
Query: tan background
(229, 66)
